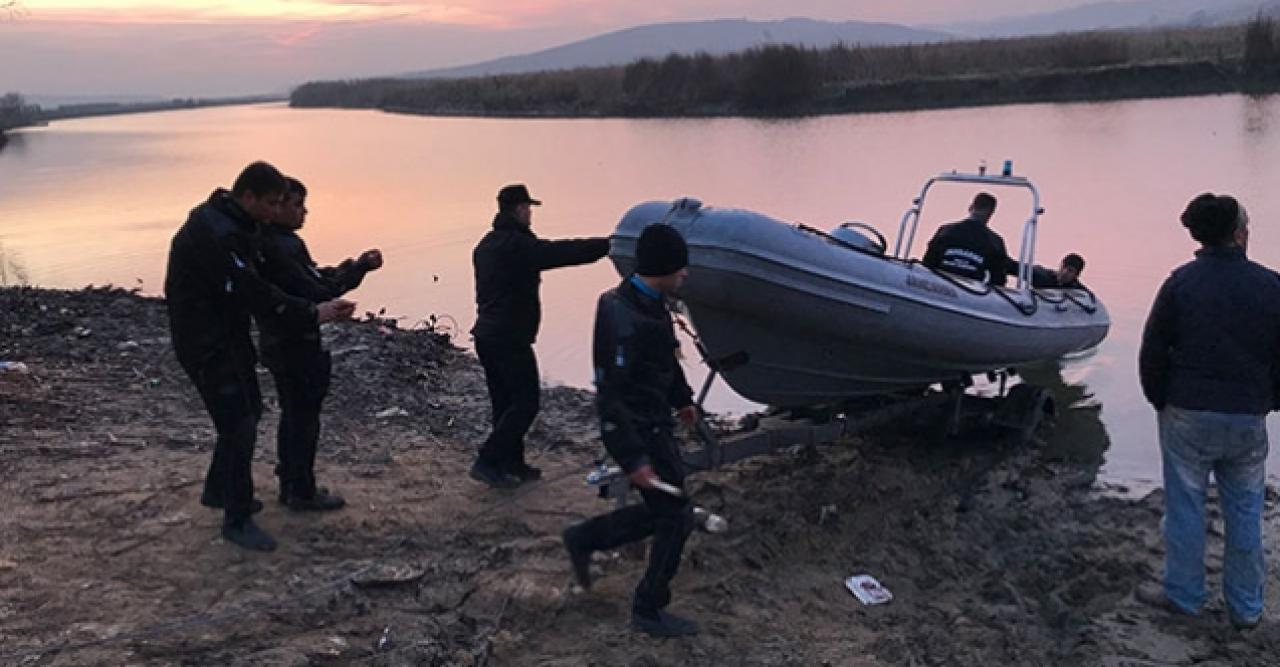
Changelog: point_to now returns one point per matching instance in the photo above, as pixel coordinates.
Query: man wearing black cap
(639, 382)
(508, 263)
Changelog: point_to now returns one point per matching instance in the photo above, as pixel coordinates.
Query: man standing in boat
(970, 248)
(1210, 365)
(639, 383)
(508, 263)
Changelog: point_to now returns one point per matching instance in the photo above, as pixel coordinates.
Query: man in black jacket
(639, 382)
(212, 286)
(508, 263)
(1066, 277)
(1209, 364)
(969, 248)
(298, 362)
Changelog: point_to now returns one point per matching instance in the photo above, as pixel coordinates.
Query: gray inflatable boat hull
(821, 321)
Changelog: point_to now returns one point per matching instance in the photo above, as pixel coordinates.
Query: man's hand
(371, 260)
(332, 311)
(642, 477)
(688, 415)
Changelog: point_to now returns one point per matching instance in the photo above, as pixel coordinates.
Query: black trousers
(511, 371)
(302, 383)
(667, 518)
(231, 395)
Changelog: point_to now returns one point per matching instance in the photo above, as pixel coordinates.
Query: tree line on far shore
(15, 112)
(785, 79)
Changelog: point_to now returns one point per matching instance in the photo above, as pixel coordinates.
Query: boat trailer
(1014, 412)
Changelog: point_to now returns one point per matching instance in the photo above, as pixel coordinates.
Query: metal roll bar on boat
(1026, 251)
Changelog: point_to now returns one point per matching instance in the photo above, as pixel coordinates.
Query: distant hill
(1120, 15)
(713, 37)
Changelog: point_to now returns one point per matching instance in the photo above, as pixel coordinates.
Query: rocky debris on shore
(994, 556)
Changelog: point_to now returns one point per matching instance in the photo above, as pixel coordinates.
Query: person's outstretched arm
(553, 254)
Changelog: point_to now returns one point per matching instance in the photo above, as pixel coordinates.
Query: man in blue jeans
(1210, 364)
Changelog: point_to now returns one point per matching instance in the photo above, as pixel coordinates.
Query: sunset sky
(150, 47)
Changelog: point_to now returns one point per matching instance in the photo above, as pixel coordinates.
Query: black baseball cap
(512, 195)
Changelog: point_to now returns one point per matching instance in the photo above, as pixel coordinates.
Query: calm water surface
(96, 200)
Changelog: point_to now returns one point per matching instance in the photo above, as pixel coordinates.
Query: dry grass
(787, 79)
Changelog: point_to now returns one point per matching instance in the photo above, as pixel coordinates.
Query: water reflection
(13, 142)
(96, 201)
(12, 269)
(1258, 110)
(1078, 435)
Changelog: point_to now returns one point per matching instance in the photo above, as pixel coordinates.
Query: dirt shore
(994, 557)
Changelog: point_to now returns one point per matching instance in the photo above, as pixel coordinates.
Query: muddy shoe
(483, 472)
(1241, 623)
(217, 504)
(525, 472)
(1153, 594)
(286, 493)
(579, 557)
(247, 534)
(322, 501)
(664, 625)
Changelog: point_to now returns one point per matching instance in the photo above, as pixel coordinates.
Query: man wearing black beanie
(509, 262)
(639, 382)
(1210, 365)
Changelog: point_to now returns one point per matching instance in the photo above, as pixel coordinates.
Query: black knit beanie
(1211, 218)
(661, 251)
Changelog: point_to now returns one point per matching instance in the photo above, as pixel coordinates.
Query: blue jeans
(1234, 449)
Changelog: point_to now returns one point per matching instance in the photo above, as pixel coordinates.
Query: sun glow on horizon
(198, 11)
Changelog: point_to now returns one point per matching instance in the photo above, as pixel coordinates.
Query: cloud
(297, 34)
(202, 47)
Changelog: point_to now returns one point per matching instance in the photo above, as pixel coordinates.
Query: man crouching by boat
(638, 383)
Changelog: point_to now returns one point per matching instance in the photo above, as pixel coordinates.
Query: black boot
(579, 556)
(524, 472)
(491, 475)
(663, 625)
(320, 501)
(247, 534)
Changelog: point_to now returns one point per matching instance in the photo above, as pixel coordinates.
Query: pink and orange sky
(154, 47)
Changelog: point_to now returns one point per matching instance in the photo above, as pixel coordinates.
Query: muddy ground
(994, 556)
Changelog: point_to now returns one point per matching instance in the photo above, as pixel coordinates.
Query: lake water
(96, 200)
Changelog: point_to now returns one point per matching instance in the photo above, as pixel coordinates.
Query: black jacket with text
(969, 248)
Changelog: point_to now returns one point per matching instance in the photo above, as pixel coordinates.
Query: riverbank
(787, 81)
(993, 557)
(35, 116)
(69, 111)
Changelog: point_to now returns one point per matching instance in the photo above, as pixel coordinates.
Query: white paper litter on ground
(867, 589)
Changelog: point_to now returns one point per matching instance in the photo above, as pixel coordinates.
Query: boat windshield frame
(1026, 252)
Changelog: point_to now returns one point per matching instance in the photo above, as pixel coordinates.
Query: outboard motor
(860, 235)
